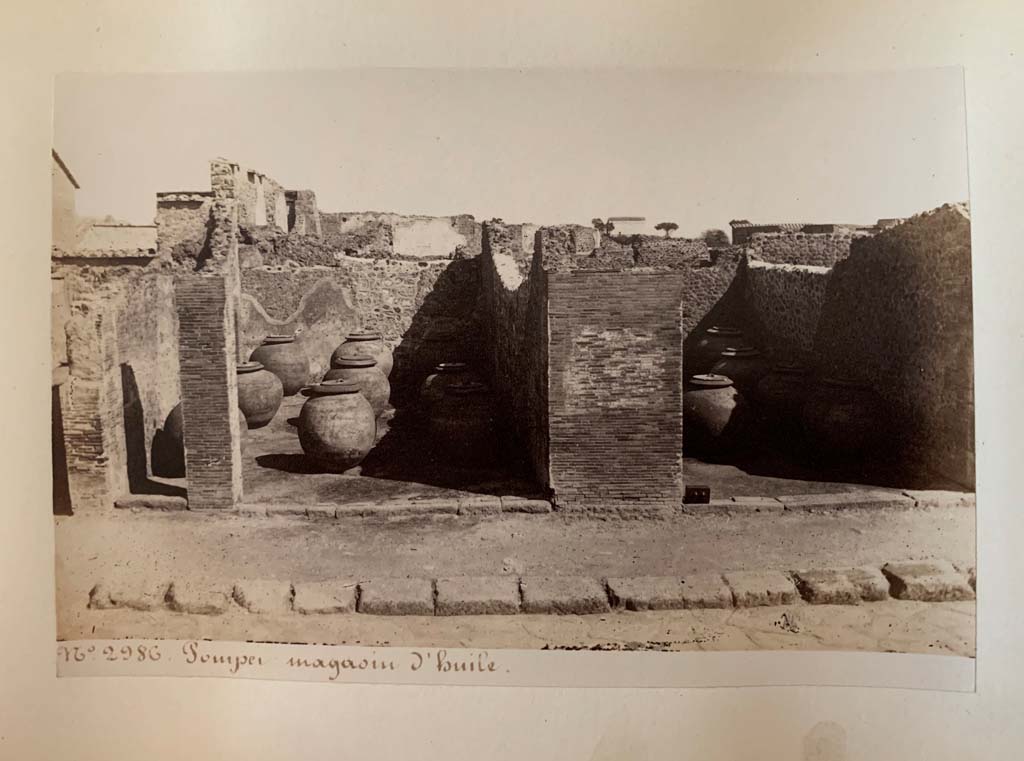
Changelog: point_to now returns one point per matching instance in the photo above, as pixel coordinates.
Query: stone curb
(921, 581)
(857, 500)
(474, 505)
(490, 505)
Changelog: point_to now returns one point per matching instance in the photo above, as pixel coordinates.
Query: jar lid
(335, 387)
(358, 360)
(248, 367)
(740, 351)
(450, 367)
(724, 330)
(466, 389)
(363, 335)
(280, 338)
(710, 380)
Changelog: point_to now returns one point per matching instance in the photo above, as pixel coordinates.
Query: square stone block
(756, 505)
(321, 597)
(705, 590)
(755, 588)
(578, 595)
(871, 499)
(479, 504)
(478, 596)
(870, 582)
(647, 593)
(136, 594)
(931, 581)
(397, 597)
(198, 598)
(264, 596)
(524, 505)
(940, 498)
(827, 587)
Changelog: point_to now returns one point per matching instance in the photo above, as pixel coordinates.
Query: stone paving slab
(198, 598)
(134, 593)
(286, 508)
(826, 587)
(931, 581)
(164, 502)
(936, 498)
(706, 590)
(647, 593)
(321, 597)
(397, 597)
(870, 583)
(477, 595)
(564, 594)
(755, 588)
(736, 506)
(426, 506)
(264, 596)
(247, 509)
(524, 505)
(846, 500)
(757, 504)
(479, 504)
(322, 512)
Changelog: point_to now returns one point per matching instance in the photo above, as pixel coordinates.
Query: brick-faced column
(615, 389)
(209, 390)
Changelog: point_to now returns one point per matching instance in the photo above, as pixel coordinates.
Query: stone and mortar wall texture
(120, 340)
(513, 296)
(898, 315)
(817, 249)
(408, 302)
(183, 226)
(783, 304)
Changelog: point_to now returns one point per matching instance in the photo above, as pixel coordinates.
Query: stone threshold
(484, 504)
(853, 500)
(922, 581)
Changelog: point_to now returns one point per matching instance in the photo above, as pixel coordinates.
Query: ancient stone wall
(898, 315)
(783, 304)
(63, 209)
(120, 341)
(513, 296)
(183, 226)
(303, 216)
(711, 292)
(410, 302)
(817, 249)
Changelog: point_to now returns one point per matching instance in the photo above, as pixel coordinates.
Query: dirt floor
(405, 463)
(402, 463)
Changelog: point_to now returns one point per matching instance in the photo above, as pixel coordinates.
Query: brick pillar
(91, 405)
(615, 390)
(209, 390)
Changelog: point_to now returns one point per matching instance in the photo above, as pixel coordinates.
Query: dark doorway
(61, 488)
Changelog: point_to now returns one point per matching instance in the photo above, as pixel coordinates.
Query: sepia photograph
(559, 360)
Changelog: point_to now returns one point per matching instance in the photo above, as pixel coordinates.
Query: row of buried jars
(337, 426)
(732, 390)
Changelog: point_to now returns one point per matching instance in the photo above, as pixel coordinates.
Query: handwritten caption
(204, 656)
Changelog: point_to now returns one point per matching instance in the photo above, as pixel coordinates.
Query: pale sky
(695, 148)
